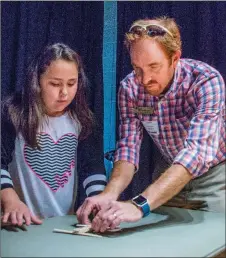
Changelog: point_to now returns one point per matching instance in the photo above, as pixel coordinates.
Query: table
(169, 232)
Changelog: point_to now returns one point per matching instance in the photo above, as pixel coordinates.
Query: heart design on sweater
(54, 163)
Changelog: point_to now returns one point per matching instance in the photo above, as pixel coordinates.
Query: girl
(41, 130)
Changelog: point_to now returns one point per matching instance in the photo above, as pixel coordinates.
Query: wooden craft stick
(63, 231)
(84, 229)
(75, 232)
(108, 230)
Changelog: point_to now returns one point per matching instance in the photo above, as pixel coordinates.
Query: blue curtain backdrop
(28, 26)
(203, 31)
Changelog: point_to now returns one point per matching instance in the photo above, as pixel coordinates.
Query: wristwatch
(141, 202)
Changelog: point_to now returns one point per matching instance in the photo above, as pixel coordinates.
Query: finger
(13, 218)
(36, 220)
(96, 223)
(27, 218)
(19, 216)
(78, 212)
(101, 220)
(85, 212)
(93, 214)
(5, 217)
(95, 210)
(116, 222)
(22, 227)
(110, 220)
(104, 225)
(102, 213)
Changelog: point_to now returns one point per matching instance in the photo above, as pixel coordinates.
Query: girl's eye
(54, 84)
(72, 83)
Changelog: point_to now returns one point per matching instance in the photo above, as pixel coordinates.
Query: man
(180, 102)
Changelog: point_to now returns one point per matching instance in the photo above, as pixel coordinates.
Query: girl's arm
(91, 169)
(13, 209)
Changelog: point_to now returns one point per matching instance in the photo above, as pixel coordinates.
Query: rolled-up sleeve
(130, 128)
(205, 137)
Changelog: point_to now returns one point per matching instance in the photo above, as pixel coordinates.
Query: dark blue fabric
(28, 26)
(202, 26)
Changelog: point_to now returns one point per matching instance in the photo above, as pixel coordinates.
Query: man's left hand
(115, 213)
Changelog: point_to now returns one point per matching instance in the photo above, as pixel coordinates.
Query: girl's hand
(15, 211)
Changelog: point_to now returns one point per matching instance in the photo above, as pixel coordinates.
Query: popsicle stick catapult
(83, 230)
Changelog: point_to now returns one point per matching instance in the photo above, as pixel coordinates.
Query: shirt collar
(174, 85)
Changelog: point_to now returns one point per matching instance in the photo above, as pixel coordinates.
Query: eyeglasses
(150, 29)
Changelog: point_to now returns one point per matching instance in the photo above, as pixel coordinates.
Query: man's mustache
(149, 83)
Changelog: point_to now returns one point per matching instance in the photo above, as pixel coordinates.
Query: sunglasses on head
(150, 29)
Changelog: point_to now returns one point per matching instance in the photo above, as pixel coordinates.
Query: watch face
(140, 200)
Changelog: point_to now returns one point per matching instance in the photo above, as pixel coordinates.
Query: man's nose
(146, 78)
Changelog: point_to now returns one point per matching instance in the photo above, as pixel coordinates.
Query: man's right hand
(92, 205)
(14, 210)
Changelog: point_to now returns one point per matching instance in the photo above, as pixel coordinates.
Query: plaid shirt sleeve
(130, 128)
(202, 142)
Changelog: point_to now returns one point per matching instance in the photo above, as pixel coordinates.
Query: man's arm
(194, 159)
(128, 147)
(170, 183)
(205, 139)
(122, 175)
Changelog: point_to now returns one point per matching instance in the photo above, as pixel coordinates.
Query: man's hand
(118, 182)
(92, 205)
(115, 213)
(14, 210)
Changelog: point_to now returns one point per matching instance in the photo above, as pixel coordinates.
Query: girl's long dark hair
(26, 109)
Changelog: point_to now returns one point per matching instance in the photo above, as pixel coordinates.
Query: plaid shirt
(190, 117)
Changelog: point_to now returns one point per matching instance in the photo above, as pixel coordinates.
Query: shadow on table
(161, 218)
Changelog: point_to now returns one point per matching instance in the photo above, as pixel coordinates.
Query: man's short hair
(170, 41)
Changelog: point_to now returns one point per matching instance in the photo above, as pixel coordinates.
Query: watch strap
(144, 206)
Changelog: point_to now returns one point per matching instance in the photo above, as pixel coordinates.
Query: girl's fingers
(19, 216)
(5, 217)
(13, 217)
